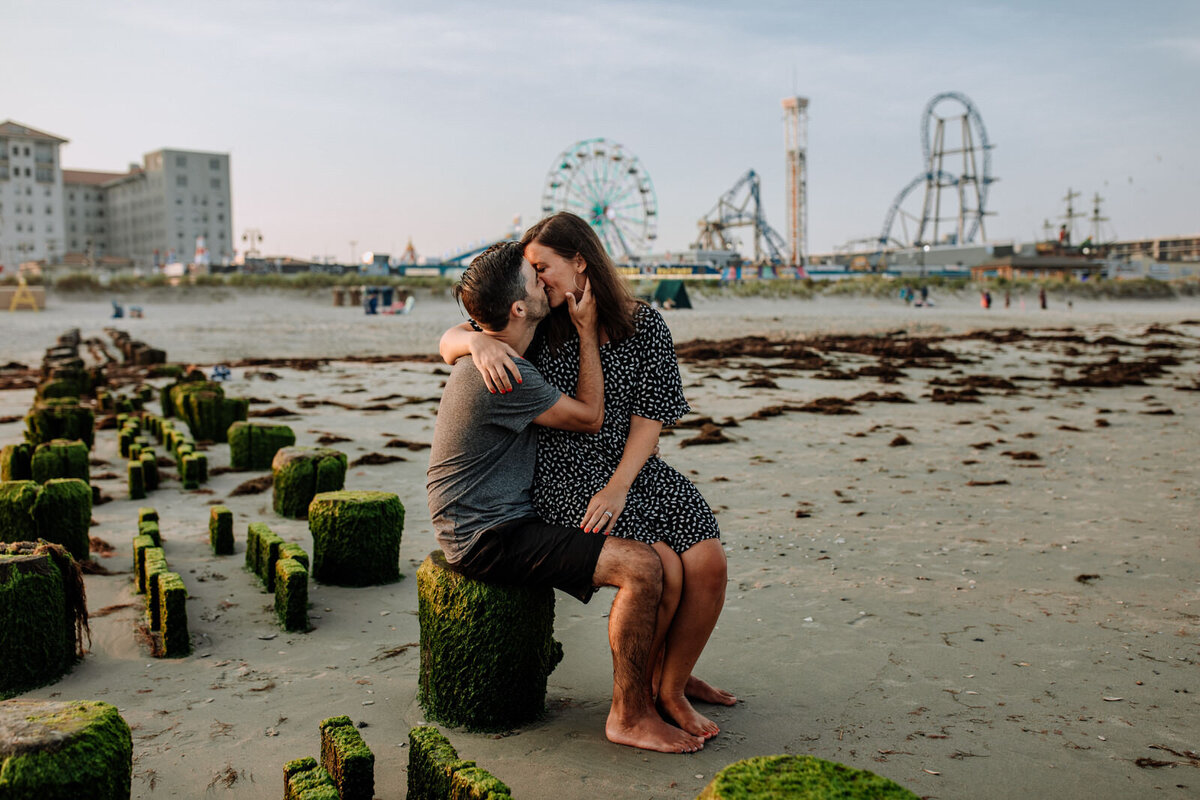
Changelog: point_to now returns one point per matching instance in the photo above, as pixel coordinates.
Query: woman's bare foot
(705, 692)
(686, 717)
(651, 733)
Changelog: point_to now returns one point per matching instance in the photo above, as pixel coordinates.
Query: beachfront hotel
(152, 214)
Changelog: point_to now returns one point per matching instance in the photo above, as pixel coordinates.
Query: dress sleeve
(659, 394)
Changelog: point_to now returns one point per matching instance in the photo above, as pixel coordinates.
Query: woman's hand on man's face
(582, 307)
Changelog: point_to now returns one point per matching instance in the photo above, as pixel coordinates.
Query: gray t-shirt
(483, 455)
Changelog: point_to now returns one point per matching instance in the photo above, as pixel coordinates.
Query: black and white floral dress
(641, 376)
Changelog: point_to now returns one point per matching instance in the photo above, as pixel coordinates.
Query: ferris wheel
(607, 186)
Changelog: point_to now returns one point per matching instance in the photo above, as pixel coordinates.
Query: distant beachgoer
(1042, 297)
(580, 476)
(1007, 298)
(924, 294)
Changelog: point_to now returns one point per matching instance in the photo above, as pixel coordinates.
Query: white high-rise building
(85, 211)
(153, 214)
(157, 211)
(31, 195)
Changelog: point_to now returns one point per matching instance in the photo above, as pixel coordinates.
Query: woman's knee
(705, 563)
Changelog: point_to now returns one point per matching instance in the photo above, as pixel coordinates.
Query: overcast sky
(374, 121)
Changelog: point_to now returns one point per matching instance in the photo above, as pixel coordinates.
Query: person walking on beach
(613, 481)
(481, 469)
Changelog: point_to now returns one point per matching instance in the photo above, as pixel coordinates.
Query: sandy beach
(981, 581)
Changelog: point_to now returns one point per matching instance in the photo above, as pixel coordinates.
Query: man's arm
(583, 413)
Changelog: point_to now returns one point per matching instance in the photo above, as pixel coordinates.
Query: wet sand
(965, 562)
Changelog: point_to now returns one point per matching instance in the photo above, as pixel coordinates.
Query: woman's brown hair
(569, 236)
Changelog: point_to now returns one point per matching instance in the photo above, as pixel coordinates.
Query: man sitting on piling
(481, 472)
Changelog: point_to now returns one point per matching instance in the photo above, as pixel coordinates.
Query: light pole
(353, 245)
(924, 252)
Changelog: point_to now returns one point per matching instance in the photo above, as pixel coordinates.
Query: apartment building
(31, 192)
(159, 211)
(152, 214)
(85, 211)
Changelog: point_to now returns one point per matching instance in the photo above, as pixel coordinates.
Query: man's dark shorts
(530, 552)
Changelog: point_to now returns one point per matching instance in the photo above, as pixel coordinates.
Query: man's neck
(517, 335)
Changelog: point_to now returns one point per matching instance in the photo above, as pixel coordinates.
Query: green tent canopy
(672, 294)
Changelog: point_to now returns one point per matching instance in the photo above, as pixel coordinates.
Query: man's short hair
(491, 284)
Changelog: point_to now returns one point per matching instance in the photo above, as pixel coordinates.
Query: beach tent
(672, 294)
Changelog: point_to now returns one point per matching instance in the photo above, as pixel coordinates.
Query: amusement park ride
(956, 176)
(607, 185)
(741, 206)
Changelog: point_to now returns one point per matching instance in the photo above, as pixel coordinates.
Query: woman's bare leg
(672, 588)
(704, 575)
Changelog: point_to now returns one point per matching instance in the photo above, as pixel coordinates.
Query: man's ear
(517, 310)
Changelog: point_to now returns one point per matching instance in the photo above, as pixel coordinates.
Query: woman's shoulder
(649, 322)
(646, 316)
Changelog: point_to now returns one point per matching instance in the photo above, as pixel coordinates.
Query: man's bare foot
(686, 717)
(705, 692)
(651, 733)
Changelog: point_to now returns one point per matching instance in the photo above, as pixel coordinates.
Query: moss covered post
(486, 650)
(60, 458)
(305, 779)
(799, 776)
(63, 511)
(64, 751)
(17, 500)
(435, 772)
(356, 537)
(347, 759)
(301, 473)
(252, 445)
(43, 615)
(61, 418)
(15, 462)
(220, 531)
(172, 599)
(136, 479)
(291, 595)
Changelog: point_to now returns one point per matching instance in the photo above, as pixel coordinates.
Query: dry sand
(968, 622)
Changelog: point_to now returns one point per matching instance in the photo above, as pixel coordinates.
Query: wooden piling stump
(220, 531)
(17, 520)
(60, 458)
(347, 759)
(805, 777)
(486, 650)
(300, 474)
(64, 751)
(15, 462)
(356, 537)
(63, 511)
(43, 616)
(252, 445)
